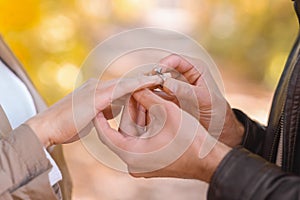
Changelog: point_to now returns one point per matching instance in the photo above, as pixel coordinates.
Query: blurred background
(248, 40)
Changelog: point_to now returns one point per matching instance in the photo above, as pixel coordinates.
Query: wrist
(37, 126)
(233, 131)
(209, 164)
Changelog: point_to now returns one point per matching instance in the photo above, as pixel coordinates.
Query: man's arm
(243, 175)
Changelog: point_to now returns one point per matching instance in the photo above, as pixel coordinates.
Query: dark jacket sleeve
(24, 167)
(243, 175)
(254, 133)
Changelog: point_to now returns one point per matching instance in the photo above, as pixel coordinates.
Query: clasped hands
(162, 133)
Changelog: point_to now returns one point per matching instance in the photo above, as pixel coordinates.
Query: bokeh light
(242, 36)
(67, 75)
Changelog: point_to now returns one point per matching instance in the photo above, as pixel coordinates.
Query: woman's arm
(22, 159)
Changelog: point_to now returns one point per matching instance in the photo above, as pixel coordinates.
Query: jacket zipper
(279, 130)
(279, 157)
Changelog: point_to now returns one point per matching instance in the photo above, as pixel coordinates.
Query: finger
(192, 76)
(112, 111)
(194, 95)
(169, 96)
(167, 72)
(157, 115)
(147, 98)
(126, 86)
(141, 116)
(106, 134)
(141, 119)
(177, 88)
(106, 93)
(188, 96)
(177, 62)
(128, 124)
(183, 66)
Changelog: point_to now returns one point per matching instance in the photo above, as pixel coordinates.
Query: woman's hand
(62, 122)
(173, 143)
(198, 94)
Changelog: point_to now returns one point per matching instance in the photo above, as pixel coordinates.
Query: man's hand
(173, 144)
(198, 94)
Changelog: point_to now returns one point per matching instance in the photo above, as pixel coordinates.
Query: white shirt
(18, 105)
